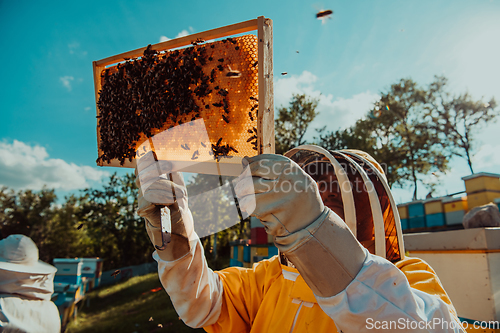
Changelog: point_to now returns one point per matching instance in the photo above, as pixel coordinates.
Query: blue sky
(48, 108)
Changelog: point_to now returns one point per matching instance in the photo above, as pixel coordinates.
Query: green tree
(213, 205)
(52, 226)
(398, 133)
(364, 136)
(292, 122)
(109, 216)
(457, 118)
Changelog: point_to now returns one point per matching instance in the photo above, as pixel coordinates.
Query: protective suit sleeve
(411, 298)
(244, 290)
(195, 290)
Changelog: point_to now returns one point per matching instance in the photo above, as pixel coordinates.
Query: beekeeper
(26, 286)
(341, 265)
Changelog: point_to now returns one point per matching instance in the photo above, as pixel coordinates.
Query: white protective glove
(156, 191)
(286, 197)
(312, 237)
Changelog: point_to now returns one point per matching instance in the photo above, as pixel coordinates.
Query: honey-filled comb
(202, 101)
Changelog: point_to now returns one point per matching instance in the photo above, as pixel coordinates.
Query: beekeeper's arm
(352, 286)
(195, 290)
(201, 297)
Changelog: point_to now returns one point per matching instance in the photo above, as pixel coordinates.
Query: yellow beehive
(233, 118)
(482, 182)
(455, 204)
(403, 211)
(481, 198)
(433, 206)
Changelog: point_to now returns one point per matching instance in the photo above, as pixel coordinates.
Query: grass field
(137, 305)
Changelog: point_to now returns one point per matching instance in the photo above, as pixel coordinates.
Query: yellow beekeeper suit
(343, 287)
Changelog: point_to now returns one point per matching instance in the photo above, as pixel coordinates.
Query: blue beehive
(434, 220)
(273, 250)
(246, 253)
(68, 270)
(416, 215)
(235, 263)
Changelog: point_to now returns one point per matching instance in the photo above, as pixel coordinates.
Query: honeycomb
(194, 104)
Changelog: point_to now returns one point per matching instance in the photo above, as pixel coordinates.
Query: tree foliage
(97, 223)
(398, 132)
(214, 208)
(109, 216)
(292, 122)
(458, 117)
(36, 215)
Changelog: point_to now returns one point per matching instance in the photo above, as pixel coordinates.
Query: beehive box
(192, 102)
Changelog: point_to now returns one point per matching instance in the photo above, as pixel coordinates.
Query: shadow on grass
(139, 304)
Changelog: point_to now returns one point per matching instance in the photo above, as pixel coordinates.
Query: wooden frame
(265, 119)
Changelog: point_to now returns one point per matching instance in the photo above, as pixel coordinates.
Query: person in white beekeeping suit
(26, 286)
(341, 263)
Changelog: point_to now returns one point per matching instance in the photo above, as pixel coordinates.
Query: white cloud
(74, 48)
(29, 167)
(66, 81)
(335, 113)
(183, 33)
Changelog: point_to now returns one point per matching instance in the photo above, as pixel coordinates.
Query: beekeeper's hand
(155, 191)
(313, 238)
(279, 193)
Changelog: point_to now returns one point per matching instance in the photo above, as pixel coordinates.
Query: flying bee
(324, 14)
(115, 273)
(284, 73)
(80, 226)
